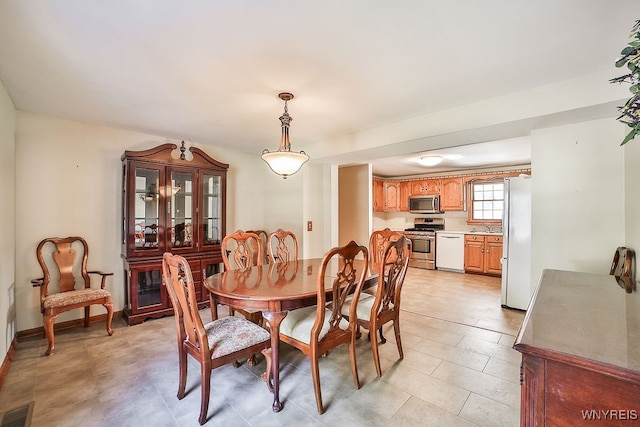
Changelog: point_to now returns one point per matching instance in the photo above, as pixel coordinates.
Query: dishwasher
(450, 251)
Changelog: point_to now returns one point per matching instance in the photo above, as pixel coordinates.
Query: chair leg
(183, 365)
(48, 321)
(382, 338)
(109, 307)
(376, 357)
(205, 388)
(396, 329)
(87, 313)
(267, 376)
(315, 373)
(354, 364)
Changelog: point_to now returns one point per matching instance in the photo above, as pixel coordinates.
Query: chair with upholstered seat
(373, 312)
(64, 266)
(241, 250)
(316, 330)
(282, 246)
(377, 245)
(215, 344)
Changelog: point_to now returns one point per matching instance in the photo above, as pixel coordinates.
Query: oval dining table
(274, 289)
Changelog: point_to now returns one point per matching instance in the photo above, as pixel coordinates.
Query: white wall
(7, 222)
(354, 204)
(632, 195)
(68, 182)
(578, 196)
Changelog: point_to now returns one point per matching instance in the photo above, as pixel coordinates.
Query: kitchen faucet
(489, 228)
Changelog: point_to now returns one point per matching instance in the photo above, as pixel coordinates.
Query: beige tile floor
(459, 370)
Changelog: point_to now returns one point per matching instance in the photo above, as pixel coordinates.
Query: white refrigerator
(516, 249)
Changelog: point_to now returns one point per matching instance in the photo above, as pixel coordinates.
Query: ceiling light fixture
(430, 160)
(285, 162)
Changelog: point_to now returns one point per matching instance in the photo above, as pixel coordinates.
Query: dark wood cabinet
(170, 204)
(580, 346)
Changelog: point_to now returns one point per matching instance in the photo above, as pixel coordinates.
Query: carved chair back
(282, 246)
(377, 245)
(241, 250)
(262, 241)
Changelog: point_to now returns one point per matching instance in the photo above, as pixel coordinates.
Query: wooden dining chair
(316, 330)
(373, 312)
(282, 246)
(217, 343)
(242, 250)
(66, 283)
(377, 245)
(623, 266)
(263, 238)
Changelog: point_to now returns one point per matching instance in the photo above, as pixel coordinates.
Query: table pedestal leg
(274, 318)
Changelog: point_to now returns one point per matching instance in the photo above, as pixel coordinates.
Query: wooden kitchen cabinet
(405, 192)
(378, 195)
(451, 194)
(482, 254)
(391, 196)
(423, 187)
(170, 204)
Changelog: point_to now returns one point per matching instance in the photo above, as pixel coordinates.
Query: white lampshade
(285, 163)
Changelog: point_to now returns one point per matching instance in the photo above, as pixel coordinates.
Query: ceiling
(210, 71)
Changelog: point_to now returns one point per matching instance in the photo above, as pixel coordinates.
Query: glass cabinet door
(181, 234)
(146, 209)
(211, 210)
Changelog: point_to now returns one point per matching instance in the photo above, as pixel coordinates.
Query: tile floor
(459, 370)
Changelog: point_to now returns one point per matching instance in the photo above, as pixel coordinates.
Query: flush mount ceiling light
(285, 162)
(430, 160)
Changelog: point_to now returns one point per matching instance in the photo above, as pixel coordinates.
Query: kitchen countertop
(484, 233)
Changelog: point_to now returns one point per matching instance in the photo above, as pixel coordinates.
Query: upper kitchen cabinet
(452, 194)
(392, 196)
(425, 187)
(405, 192)
(378, 195)
(170, 204)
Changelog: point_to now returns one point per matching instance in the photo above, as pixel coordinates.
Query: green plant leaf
(629, 136)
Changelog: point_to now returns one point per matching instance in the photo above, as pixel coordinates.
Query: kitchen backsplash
(398, 221)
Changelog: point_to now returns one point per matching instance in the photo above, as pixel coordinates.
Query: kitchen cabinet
(169, 204)
(482, 254)
(450, 251)
(378, 195)
(391, 196)
(423, 187)
(405, 192)
(452, 194)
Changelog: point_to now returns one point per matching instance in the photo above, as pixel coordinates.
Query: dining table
(274, 289)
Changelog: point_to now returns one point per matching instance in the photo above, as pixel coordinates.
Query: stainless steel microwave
(424, 204)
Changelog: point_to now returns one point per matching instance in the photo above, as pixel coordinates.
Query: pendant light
(285, 162)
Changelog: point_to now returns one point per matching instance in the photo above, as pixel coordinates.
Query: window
(487, 201)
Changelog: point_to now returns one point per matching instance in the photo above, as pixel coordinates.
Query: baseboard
(4, 369)
(39, 331)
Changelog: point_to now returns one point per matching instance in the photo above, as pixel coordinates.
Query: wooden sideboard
(580, 345)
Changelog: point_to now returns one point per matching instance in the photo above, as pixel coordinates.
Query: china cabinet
(169, 204)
